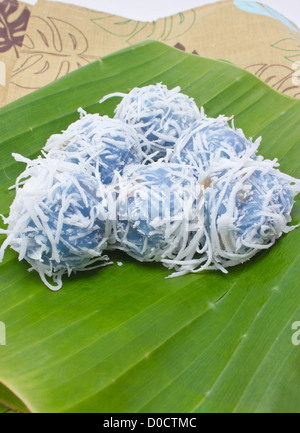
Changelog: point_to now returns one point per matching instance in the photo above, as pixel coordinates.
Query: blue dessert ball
(158, 115)
(59, 221)
(99, 144)
(212, 143)
(156, 204)
(246, 211)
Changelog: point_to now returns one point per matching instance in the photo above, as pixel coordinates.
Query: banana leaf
(125, 338)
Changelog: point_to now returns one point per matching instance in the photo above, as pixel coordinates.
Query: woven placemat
(41, 43)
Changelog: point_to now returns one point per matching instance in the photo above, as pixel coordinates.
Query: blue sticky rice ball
(247, 211)
(210, 143)
(59, 221)
(158, 115)
(150, 209)
(97, 143)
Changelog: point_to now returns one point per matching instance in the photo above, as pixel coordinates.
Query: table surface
(149, 10)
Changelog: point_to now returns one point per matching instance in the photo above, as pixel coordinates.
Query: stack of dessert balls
(161, 181)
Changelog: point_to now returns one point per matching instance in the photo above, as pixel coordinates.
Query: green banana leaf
(125, 338)
(3, 409)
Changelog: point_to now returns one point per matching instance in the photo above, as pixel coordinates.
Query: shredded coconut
(159, 116)
(61, 232)
(161, 181)
(98, 144)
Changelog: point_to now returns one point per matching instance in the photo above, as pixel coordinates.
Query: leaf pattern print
(280, 77)
(291, 47)
(165, 29)
(51, 48)
(12, 25)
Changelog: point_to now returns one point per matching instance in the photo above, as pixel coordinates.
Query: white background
(148, 10)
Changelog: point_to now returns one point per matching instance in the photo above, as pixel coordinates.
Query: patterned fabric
(41, 43)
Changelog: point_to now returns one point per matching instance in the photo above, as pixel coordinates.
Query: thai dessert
(161, 181)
